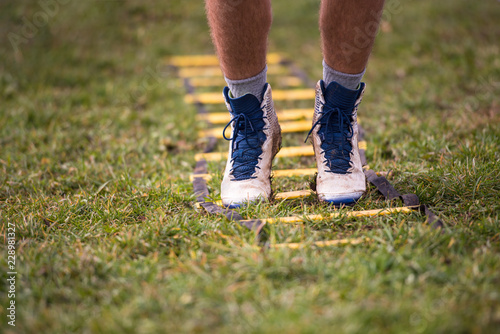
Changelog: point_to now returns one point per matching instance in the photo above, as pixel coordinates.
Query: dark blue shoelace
(336, 130)
(335, 133)
(247, 137)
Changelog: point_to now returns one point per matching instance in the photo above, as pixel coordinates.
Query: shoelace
(247, 144)
(337, 150)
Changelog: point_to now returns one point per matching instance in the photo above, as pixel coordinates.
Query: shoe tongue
(245, 104)
(339, 96)
(242, 105)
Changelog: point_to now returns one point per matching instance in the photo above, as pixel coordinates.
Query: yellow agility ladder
(201, 72)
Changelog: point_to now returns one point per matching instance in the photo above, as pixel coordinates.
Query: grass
(97, 145)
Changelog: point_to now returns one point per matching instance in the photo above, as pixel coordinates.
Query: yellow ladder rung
(207, 82)
(219, 82)
(294, 94)
(285, 152)
(364, 213)
(283, 115)
(279, 196)
(291, 81)
(215, 71)
(198, 205)
(213, 156)
(293, 194)
(206, 177)
(211, 60)
(278, 95)
(292, 151)
(276, 173)
(280, 173)
(294, 172)
(321, 244)
(287, 127)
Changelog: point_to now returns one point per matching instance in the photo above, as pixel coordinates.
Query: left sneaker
(340, 179)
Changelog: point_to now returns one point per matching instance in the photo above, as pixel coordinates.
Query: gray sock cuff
(350, 81)
(254, 85)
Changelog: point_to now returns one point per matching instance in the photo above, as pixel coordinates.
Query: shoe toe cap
(243, 194)
(341, 189)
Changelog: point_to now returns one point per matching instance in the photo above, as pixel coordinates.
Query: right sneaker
(255, 140)
(340, 179)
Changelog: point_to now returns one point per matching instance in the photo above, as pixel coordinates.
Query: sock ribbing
(350, 81)
(254, 85)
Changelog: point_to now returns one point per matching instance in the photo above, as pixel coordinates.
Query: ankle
(349, 81)
(254, 85)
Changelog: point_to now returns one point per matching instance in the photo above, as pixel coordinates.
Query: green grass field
(97, 145)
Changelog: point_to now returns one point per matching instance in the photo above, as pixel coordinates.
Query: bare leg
(239, 32)
(348, 29)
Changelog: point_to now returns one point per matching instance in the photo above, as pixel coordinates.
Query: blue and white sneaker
(255, 140)
(334, 133)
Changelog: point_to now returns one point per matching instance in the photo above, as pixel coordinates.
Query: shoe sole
(349, 199)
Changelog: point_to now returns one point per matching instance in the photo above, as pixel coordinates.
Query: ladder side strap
(215, 209)
(201, 167)
(200, 189)
(298, 72)
(432, 218)
(253, 225)
(362, 157)
(200, 184)
(410, 200)
(382, 185)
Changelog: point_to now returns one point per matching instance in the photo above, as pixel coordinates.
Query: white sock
(349, 81)
(254, 85)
